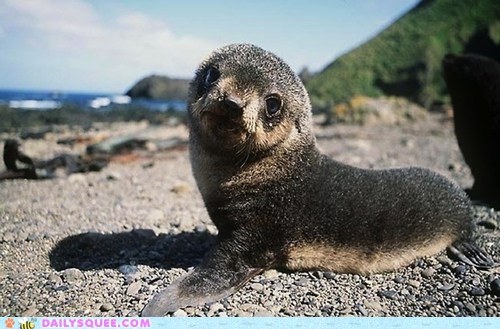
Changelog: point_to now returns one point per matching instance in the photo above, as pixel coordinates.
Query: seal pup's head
(245, 101)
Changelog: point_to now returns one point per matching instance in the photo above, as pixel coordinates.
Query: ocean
(48, 100)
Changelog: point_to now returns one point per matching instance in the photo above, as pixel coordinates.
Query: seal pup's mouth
(229, 114)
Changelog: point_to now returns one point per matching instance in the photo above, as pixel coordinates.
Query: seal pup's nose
(233, 103)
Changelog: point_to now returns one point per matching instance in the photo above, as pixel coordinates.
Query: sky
(108, 45)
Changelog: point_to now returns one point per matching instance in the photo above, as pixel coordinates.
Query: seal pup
(279, 203)
(473, 82)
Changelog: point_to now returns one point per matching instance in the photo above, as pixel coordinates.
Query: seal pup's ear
(219, 276)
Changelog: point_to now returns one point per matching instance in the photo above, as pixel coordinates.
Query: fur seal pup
(473, 82)
(279, 203)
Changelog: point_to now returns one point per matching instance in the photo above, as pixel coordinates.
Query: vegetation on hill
(160, 87)
(405, 58)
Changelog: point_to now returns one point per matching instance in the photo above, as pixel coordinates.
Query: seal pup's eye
(211, 75)
(273, 105)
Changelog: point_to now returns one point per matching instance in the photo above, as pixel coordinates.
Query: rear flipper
(471, 254)
(217, 277)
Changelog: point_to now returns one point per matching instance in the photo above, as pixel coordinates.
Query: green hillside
(405, 58)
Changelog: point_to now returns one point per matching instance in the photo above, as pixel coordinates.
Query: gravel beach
(102, 243)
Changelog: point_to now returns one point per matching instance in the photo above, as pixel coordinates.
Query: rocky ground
(102, 243)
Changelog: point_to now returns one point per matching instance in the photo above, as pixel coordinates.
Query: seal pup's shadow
(91, 251)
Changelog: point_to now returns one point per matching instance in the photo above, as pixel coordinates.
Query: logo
(27, 325)
(9, 323)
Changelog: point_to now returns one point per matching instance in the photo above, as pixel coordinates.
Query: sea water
(48, 100)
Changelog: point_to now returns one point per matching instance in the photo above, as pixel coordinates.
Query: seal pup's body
(279, 203)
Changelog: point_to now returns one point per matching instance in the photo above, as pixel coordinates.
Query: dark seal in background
(474, 85)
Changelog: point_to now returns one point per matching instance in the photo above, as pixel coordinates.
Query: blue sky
(107, 45)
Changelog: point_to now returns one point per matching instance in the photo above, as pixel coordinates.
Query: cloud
(128, 41)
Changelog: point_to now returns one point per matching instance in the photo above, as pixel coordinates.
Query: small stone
(247, 307)
(329, 275)
(470, 307)
(106, 307)
(301, 282)
(127, 269)
(55, 279)
(271, 274)
(460, 269)
(362, 310)
(242, 314)
(445, 260)
(30, 312)
(257, 286)
(414, 283)
(374, 305)
(317, 274)
(179, 313)
(134, 288)
(446, 287)
(399, 279)
(495, 287)
(476, 291)
(391, 294)
(214, 308)
(72, 275)
(428, 273)
(263, 313)
(489, 223)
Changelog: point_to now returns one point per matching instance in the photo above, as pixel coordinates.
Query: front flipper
(217, 277)
(471, 254)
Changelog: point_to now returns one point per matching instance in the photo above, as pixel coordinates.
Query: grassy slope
(405, 58)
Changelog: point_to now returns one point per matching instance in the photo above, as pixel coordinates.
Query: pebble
(30, 312)
(71, 275)
(329, 275)
(106, 307)
(374, 305)
(399, 279)
(242, 314)
(470, 307)
(489, 223)
(428, 273)
(301, 282)
(317, 275)
(495, 287)
(362, 310)
(414, 283)
(263, 313)
(271, 274)
(214, 308)
(128, 269)
(391, 294)
(55, 279)
(445, 260)
(257, 286)
(460, 269)
(446, 287)
(475, 291)
(133, 288)
(179, 313)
